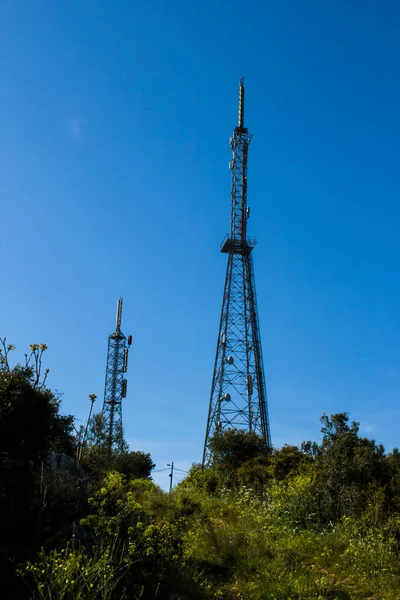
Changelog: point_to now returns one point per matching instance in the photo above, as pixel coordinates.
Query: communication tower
(116, 383)
(238, 393)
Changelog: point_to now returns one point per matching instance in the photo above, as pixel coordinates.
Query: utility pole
(238, 397)
(171, 475)
(116, 385)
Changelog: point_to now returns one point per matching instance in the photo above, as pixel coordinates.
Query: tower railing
(237, 246)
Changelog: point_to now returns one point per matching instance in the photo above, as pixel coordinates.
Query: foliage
(31, 366)
(31, 426)
(287, 461)
(30, 423)
(205, 480)
(98, 460)
(345, 467)
(153, 546)
(231, 449)
(73, 573)
(320, 522)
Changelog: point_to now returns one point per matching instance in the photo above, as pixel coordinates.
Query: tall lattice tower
(116, 384)
(238, 393)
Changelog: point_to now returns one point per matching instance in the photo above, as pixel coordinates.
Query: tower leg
(238, 394)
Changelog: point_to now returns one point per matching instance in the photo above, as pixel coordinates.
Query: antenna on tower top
(241, 103)
(119, 313)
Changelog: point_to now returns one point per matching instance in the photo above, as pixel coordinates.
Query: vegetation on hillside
(311, 523)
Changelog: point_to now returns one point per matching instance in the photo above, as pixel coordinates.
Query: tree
(287, 461)
(346, 465)
(231, 449)
(30, 423)
(336, 426)
(199, 479)
(134, 464)
(30, 427)
(98, 459)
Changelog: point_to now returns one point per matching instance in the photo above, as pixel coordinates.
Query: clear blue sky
(114, 149)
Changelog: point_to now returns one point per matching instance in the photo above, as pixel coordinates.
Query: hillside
(317, 522)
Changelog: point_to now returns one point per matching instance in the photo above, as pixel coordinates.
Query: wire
(168, 469)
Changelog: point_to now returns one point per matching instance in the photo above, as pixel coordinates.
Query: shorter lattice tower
(116, 383)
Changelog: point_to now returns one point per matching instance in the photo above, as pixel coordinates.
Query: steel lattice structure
(238, 392)
(116, 385)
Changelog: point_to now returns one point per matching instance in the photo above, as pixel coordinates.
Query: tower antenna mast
(238, 393)
(116, 384)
